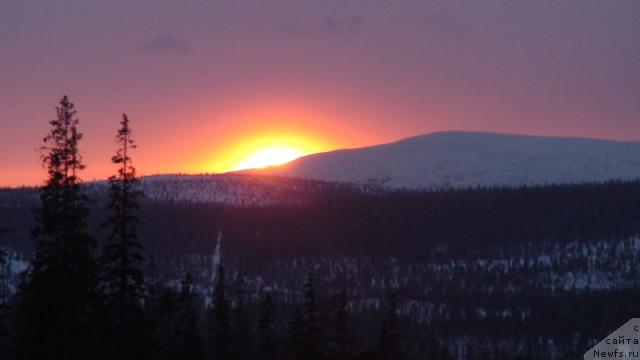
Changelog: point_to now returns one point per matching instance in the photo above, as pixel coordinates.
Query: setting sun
(261, 150)
(269, 156)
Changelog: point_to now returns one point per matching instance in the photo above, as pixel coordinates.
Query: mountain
(464, 159)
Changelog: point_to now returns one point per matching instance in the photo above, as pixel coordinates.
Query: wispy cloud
(166, 43)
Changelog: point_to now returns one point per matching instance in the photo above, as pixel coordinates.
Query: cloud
(166, 43)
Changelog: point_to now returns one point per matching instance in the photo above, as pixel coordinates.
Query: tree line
(82, 298)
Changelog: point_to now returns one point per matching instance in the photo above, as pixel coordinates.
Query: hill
(469, 159)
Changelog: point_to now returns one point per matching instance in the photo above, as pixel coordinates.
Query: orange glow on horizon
(263, 151)
(266, 133)
(224, 137)
(269, 156)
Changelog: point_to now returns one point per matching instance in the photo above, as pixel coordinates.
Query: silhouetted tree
(267, 341)
(56, 305)
(164, 311)
(339, 341)
(390, 335)
(434, 350)
(219, 324)
(4, 294)
(153, 280)
(4, 298)
(295, 347)
(190, 343)
(310, 340)
(122, 279)
(241, 333)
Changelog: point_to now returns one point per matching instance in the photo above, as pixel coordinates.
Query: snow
(467, 159)
(229, 189)
(434, 161)
(215, 258)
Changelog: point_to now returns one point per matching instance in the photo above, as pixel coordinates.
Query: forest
(336, 271)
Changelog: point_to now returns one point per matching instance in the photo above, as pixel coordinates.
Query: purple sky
(347, 73)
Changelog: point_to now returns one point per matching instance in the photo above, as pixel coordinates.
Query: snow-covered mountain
(463, 159)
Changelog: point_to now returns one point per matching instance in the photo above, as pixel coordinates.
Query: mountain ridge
(466, 159)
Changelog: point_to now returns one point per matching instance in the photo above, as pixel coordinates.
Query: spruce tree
(339, 342)
(153, 280)
(296, 349)
(4, 275)
(189, 343)
(219, 325)
(164, 312)
(390, 335)
(4, 298)
(241, 332)
(267, 348)
(310, 340)
(122, 279)
(57, 300)
(439, 351)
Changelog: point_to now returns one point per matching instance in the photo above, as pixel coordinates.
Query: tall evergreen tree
(241, 332)
(339, 342)
(295, 345)
(163, 310)
(4, 275)
(122, 279)
(153, 281)
(4, 298)
(438, 351)
(267, 346)
(310, 340)
(54, 314)
(219, 324)
(390, 335)
(189, 342)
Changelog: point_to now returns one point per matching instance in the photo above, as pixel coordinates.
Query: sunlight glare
(269, 156)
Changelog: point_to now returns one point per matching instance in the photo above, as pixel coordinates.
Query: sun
(260, 150)
(269, 156)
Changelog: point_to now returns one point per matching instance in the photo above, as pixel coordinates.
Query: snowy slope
(461, 159)
(231, 189)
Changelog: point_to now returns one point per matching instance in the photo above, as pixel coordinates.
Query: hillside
(466, 159)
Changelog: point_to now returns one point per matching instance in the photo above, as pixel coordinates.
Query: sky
(206, 83)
